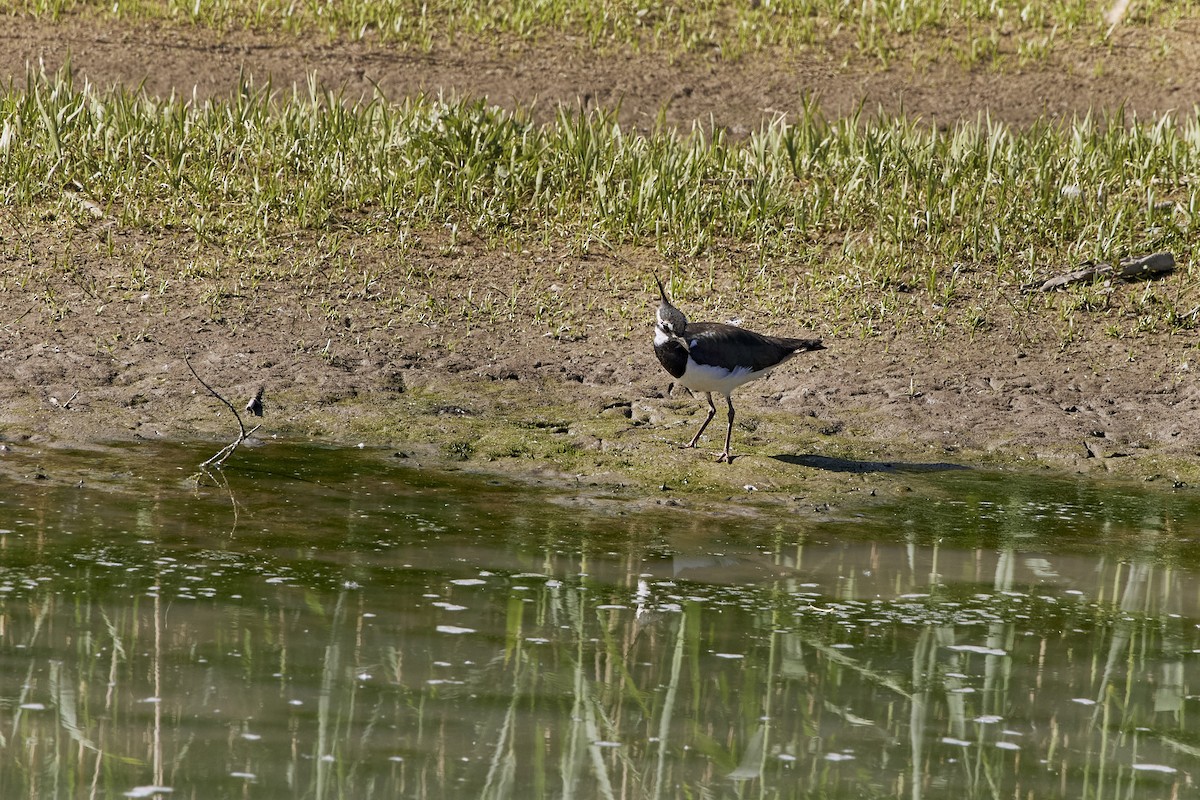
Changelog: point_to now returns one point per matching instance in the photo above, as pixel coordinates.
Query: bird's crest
(670, 319)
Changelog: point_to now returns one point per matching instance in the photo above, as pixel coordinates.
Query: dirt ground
(111, 367)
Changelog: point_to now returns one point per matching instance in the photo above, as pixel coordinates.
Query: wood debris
(1128, 269)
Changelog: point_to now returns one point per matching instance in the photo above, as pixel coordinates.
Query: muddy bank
(96, 327)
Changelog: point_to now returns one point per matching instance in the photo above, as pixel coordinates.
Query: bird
(717, 357)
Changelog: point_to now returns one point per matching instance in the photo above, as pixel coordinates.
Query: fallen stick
(218, 460)
(1127, 269)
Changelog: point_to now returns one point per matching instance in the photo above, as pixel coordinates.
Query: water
(337, 624)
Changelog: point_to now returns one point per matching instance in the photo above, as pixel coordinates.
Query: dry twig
(218, 460)
(1127, 269)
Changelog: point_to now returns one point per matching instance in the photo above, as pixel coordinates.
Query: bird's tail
(804, 345)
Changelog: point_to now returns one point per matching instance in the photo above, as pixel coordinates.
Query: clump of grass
(732, 28)
(869, 222)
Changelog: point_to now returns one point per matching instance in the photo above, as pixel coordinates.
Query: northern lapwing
(715, 357)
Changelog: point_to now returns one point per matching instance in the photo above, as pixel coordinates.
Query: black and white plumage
(714, 357)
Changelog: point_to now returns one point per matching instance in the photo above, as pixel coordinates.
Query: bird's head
(671, 320)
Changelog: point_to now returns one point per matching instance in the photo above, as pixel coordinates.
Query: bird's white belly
(707, 378)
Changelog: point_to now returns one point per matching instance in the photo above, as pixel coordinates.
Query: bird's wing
(730, 347)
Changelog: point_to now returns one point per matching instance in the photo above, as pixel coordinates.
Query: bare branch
(225, 452)
(1128, 269)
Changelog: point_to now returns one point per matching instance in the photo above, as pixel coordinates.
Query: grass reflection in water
(368, 631)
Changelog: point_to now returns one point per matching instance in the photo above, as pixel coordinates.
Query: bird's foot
(725, 458)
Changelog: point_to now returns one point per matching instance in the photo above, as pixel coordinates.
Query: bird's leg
(712, 412)
(727, 457)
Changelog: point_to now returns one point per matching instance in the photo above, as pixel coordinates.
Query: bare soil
(91, 353)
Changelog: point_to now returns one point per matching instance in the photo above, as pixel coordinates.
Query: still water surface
(336, 624)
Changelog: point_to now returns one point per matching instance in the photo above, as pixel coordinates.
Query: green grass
(869, 223)
(983, 29)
